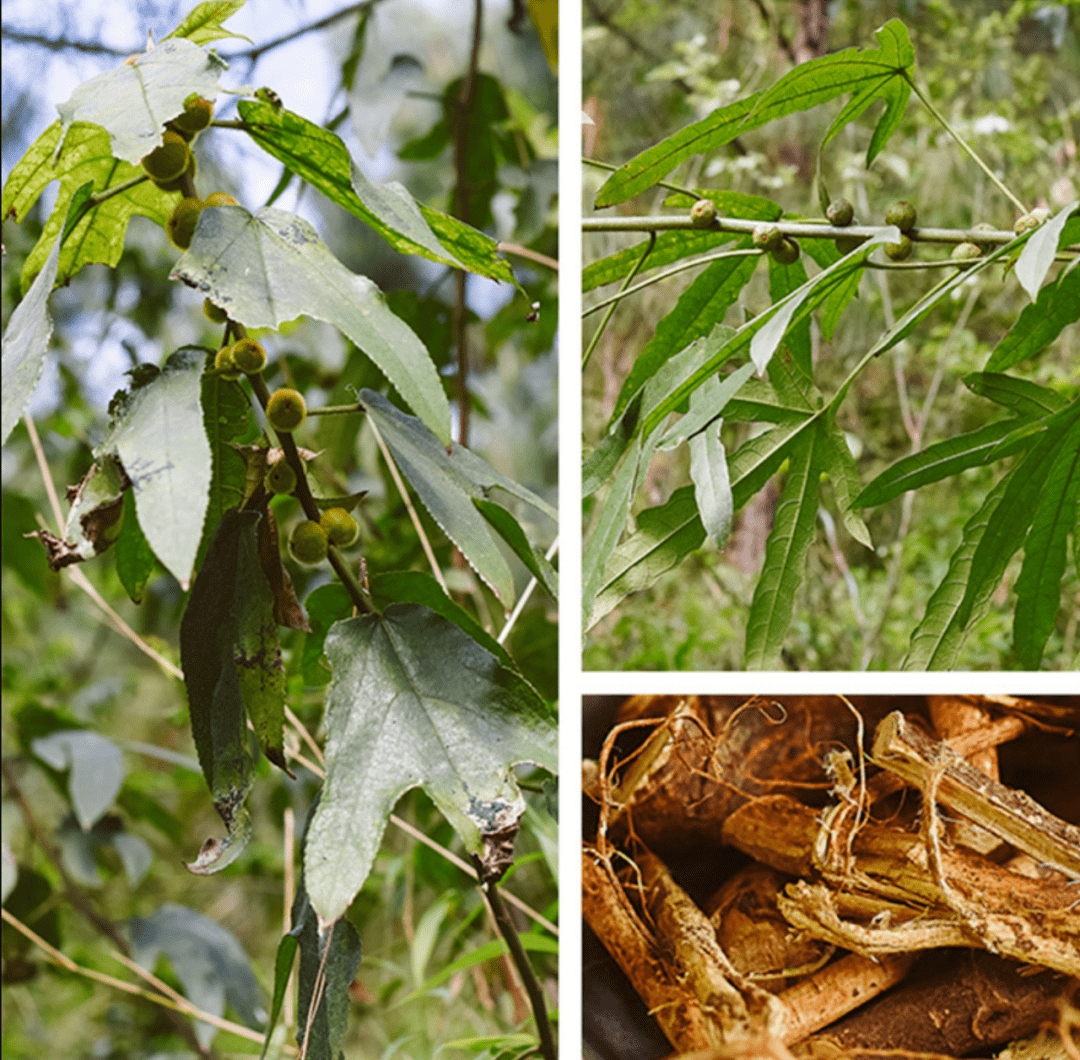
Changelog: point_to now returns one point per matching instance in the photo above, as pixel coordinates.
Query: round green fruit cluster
(198, 113)
(167, 162)
(966, 252)
(766, 237)
(308, 542)
(285, 410)
(703, 213)
(840, 213)
(899, 251)
(225, 364)
(1031, 220)
(214, 313)
(787, 252)
(339, 526)
(180, 226)
(249, 356)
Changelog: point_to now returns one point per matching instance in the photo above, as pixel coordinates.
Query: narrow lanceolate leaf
(1010, 521)
(287, 271)
(843, 472)
(707, 403)
(666, 535)
(939, 637)
(26, 342)
(700, 308)
(712, 484)
(444, 489)
(208, 634)
(204, 23)
(329, 959)
(1038, 589)
(157, 434)
(133, 101)
(1024, 397)
(937, 461)
(1057, 306)
(1038, 255)
(415, 702)
(509, 529)
(785, 556)
(321, 158)
(98, 236)
(806, 86)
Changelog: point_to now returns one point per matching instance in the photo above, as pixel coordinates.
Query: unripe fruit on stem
(198, 113)
(178, 184)
(169, 160)
(766, 237)
(308, 542)
(215, 314)
(180, 226)
(249, 356)
(966, 252)
(840, 213)
(339, 526)
(1031, 220)
(787, 253)
(285, 410)
(280, 478)
(846, 244)
(220, 198)
(899, 251)
(703, 213)
(902, 214)
(225, 364)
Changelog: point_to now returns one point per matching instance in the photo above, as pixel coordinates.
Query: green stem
(963, 143)
(611, 309)
(627, 291)
(336, 410)
(520, 959)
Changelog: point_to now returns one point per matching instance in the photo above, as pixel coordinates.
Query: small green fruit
(180, 226)
(1031, 220)
(899, 251)
(308, 542)
(787, 253)
(189, 172)
(966, 252)
(982, 226)
(215, 314)
(285, 410)
(249, 356)
(703, 213)
(225, 364)
(339, 526)
(902, 214)
(168, 161)
(220, 198)
(198, 113)
(840, 213)
(280, 478)
(766, 237)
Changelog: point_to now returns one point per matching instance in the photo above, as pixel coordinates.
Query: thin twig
(611, 309)
(520, 605)
(526, 252)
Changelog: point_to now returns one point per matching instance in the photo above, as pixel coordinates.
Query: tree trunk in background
(812, 36)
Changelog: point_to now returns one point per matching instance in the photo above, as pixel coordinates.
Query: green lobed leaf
(321, 158)
(133, 101)
(444, 489)
(1038, 589)
(416, 702)
(935, 462)
(758, 402)
(1039, 323)
(938, 639)
(271, 267)
(26, 341)
(509, 529)
(1008, 524)
(700, 309)
(712, 484)
(785, 555)
(98, 236)
(806, 86)
(208, 636)
(416, 587)
(207, 958)
(157, 434)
